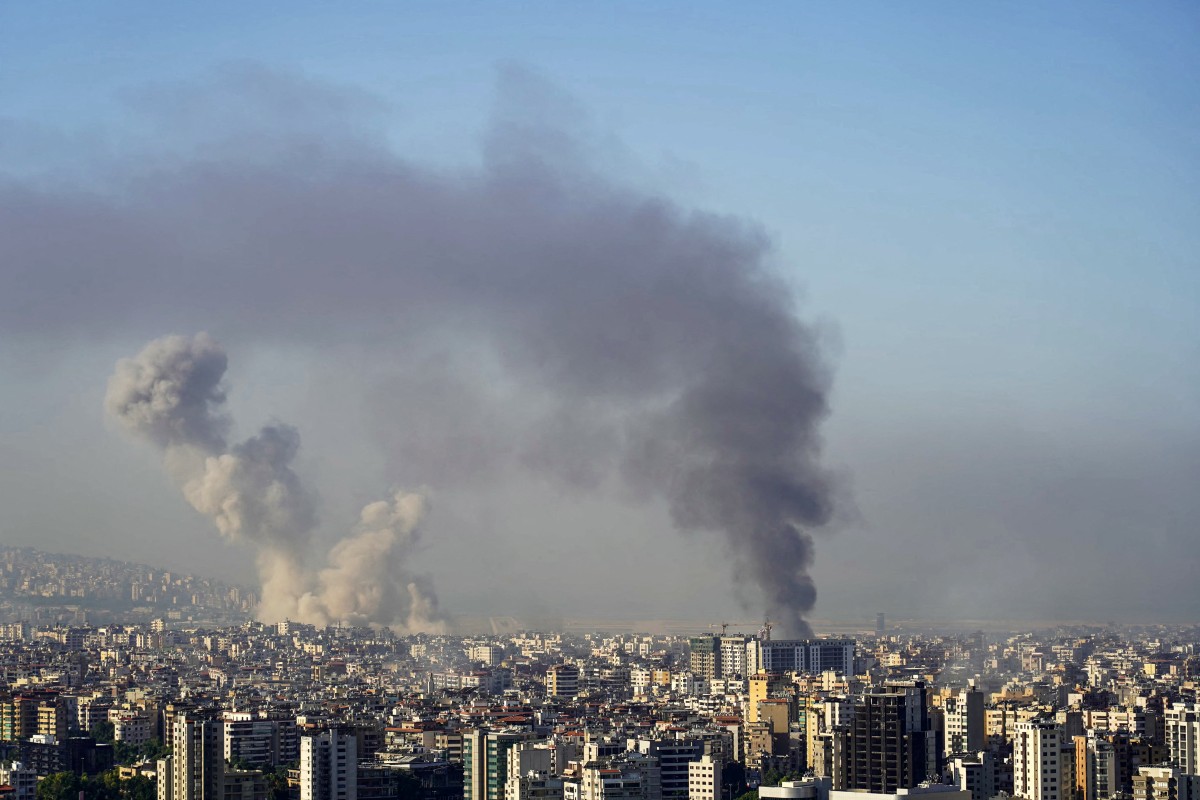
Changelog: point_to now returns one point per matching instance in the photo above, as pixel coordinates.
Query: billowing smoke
(633, 339)
(365, 581)
(252, 495)
(170, 394)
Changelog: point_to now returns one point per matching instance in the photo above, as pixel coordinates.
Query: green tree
(103, 732)
(139, 787)
(277, 783)
(59, 786)
(155, 749)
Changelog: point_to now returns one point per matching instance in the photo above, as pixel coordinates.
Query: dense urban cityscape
(546, 400)
(179, 708)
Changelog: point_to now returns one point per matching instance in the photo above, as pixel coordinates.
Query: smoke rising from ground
(633, 339)
(365, 581)
(170, 394)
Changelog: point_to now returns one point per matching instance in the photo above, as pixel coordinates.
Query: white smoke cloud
(170, 394)
(365, 582)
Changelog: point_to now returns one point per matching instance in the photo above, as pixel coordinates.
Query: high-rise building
(704, 779)
(164, 770)
(760, 687)
(734, 655)
(249, 784)
(1102, 761)
(892, 742)
(977, 773)
(811, 656)
(704, 659)
(562, 680)
(28, 713)
(1037, 760)
(965, 721)
(673, 756)
(197, 756)
(485, 761)
(829, 756)
(1183, 736)
(260, 739)
(329, 766)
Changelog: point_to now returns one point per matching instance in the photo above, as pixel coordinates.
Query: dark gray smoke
(652, 341)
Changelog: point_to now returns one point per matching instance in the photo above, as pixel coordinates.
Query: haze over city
(613, 311)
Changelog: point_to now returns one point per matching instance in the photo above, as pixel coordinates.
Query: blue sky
(989, 208)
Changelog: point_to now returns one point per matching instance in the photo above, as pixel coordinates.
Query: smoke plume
(365, 581)
(633, 338)
(170, 394)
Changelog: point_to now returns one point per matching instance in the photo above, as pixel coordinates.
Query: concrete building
(533, 786)
(260, 739)
(485, 761)
(977, 773)
(329, 766)
(892, 742)
(486, 654)
(133, 726)
(165, 788)
(1100, 765)
(22, 779)
(1037, 760)
(630, 776)
(807, 656)
(562, 680)
(243, 785)
(197, 757)
(674, 756)
(704, 779)
(1182, 722)
(965, 722)
(704, 660)
(1165, 783)
(735, 660)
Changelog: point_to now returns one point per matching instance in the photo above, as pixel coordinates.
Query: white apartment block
(704, 779)
(1037, 768)
(1183, 736)
(329, 766)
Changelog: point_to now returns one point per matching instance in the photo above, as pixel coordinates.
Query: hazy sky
(989, 214)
